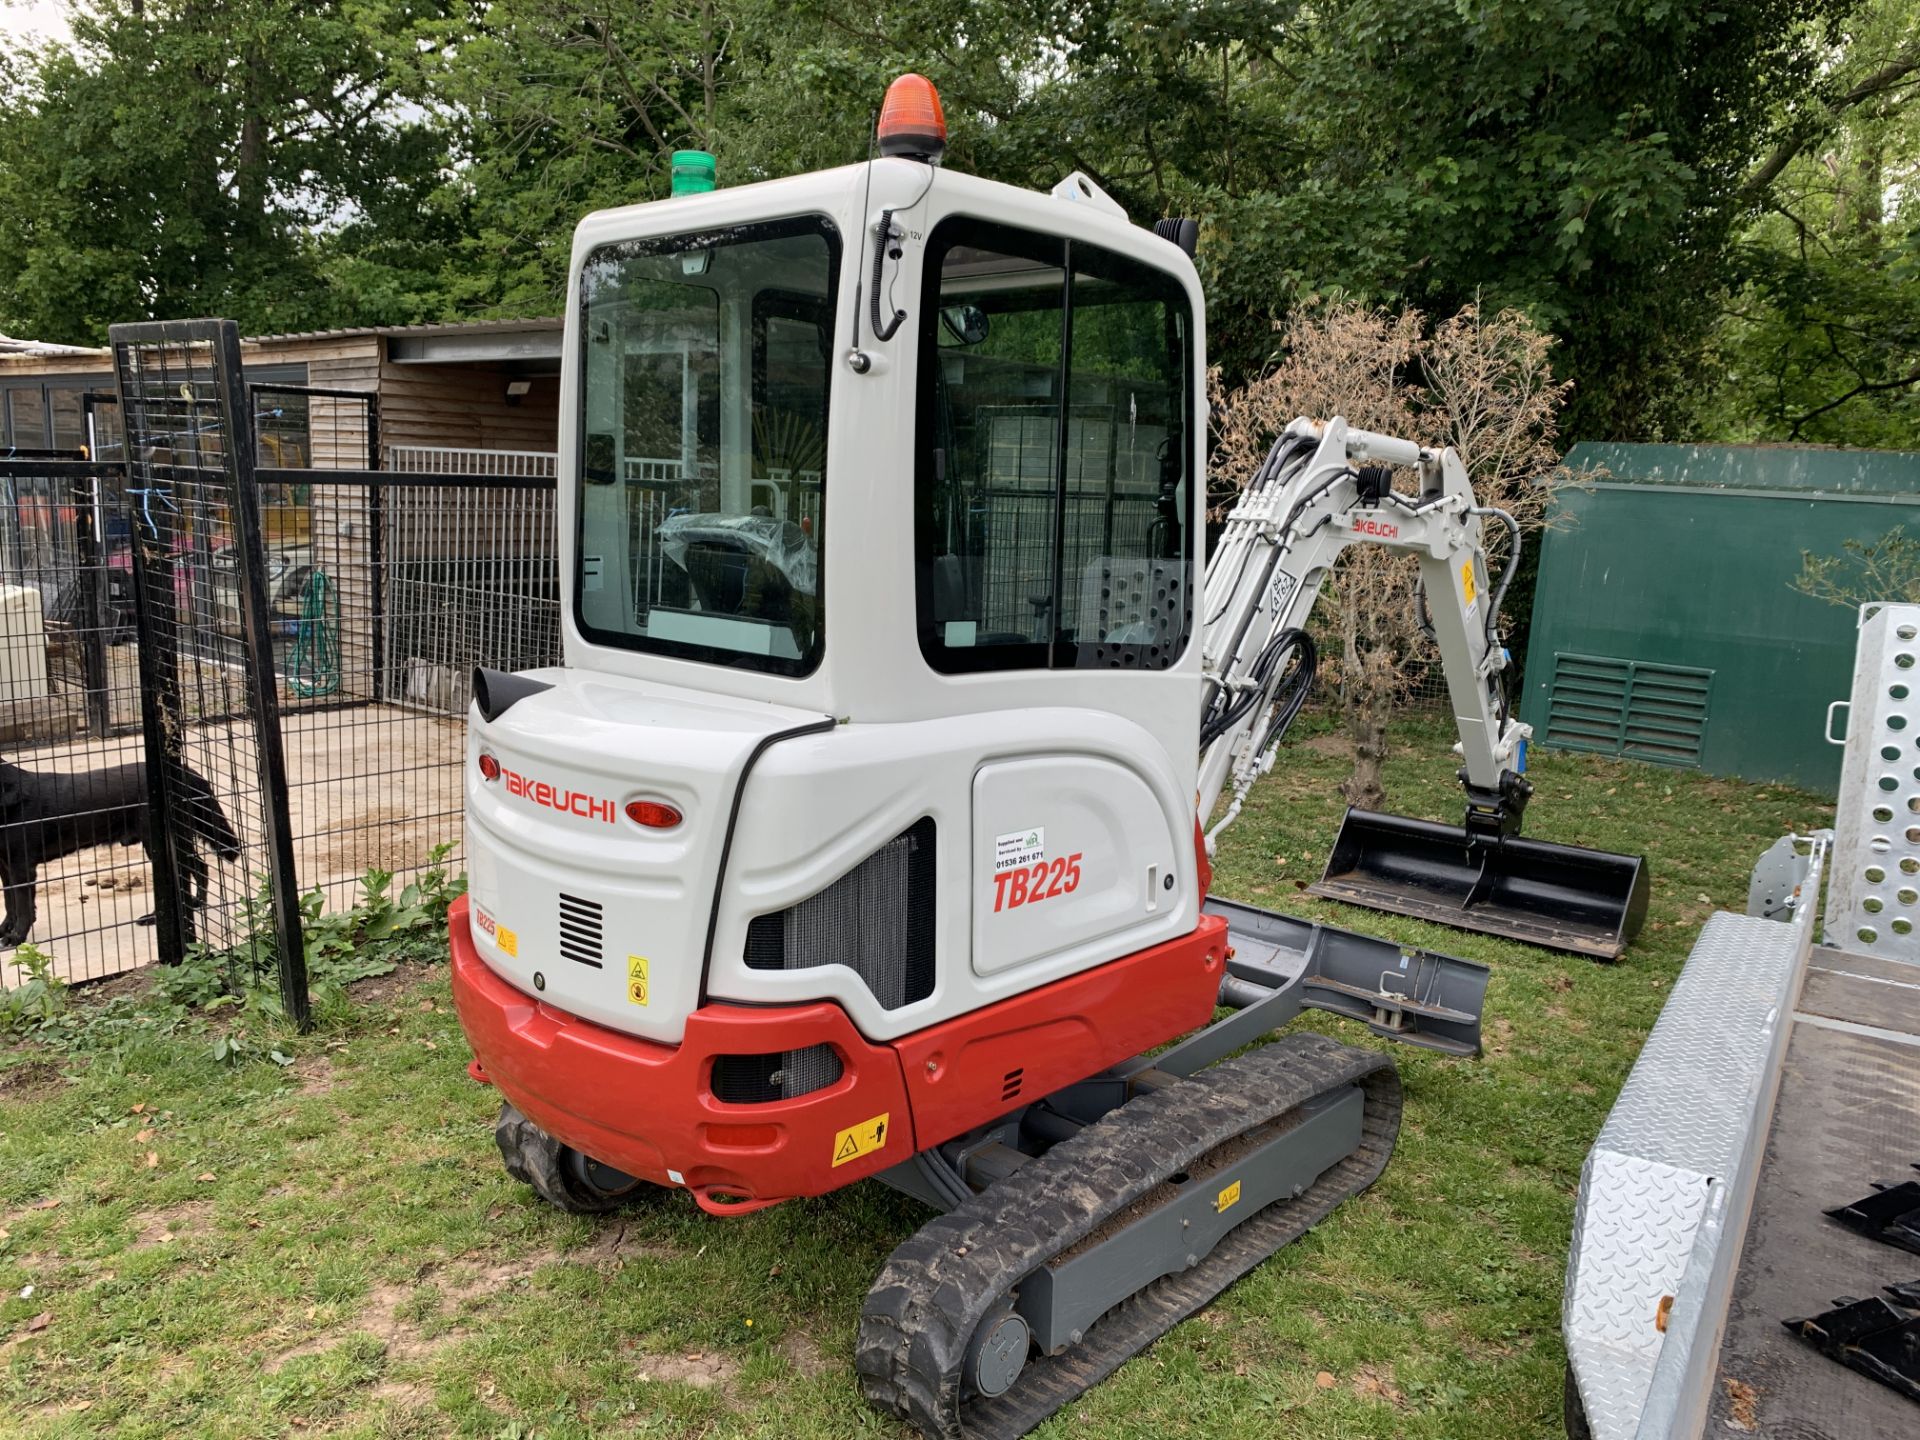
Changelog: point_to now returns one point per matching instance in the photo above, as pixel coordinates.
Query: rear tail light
(489, 767)
(654, 814)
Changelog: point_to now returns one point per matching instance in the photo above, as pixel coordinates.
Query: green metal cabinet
(1665, 627)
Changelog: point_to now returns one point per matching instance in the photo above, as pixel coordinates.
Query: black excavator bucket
(1560, 896)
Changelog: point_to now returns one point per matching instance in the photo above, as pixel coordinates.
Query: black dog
(44, 817)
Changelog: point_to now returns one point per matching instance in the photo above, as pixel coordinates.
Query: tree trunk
(250, 163)
(1369, 707)
(1367, 703)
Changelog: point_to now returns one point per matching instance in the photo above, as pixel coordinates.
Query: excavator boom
(1323, 487)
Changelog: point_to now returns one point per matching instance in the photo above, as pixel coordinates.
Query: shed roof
(431, 328)
(1793, 468)
(450, 341)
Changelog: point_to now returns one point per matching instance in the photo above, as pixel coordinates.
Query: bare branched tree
(1866, 571)
(1484, 386)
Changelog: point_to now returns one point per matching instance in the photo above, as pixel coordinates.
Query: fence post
(93, 582)
(376, 549)
(236, 415)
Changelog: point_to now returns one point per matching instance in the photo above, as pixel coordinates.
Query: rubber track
(939, 1284)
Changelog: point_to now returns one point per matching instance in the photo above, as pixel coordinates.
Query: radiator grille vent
(580, 930)
(756, 1079)
(877, 919)
(1628, 708)
(1014, 1079)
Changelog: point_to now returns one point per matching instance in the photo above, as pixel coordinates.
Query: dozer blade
(1561, 896)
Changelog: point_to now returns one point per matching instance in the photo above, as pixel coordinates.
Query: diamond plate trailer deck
(1680, 1198)
(1665, 1191)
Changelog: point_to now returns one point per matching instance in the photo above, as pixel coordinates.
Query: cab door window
(1053, 458)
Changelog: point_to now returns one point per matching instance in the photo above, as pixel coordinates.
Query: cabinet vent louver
(1630, 708)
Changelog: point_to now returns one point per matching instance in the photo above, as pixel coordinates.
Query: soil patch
(34, 1080)
(316, 1073)
(384, 989)
(391, 1318)
(804, 1355)
(163, 1227)
(702, 1369)
(616, 1243)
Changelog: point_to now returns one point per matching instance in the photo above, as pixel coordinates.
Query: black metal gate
(216, 773)
(227, 584)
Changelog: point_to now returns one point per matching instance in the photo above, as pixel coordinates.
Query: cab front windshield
(703, 442)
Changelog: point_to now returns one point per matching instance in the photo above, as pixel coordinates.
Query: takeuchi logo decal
(567, 802)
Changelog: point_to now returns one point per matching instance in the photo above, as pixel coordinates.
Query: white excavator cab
(973, 545)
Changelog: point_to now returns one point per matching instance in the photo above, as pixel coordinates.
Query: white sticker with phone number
(1021, 848)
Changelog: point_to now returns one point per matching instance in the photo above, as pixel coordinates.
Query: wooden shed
(485, 385)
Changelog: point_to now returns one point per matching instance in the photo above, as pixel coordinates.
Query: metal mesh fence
(304, 690)
(385, 589)
(216, 800)
(69, 712)
(1017, 530)
(398, 587)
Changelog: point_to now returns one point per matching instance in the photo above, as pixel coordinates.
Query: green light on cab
(693, 172)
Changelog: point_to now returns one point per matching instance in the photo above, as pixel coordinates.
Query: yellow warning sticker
(1466, 582)
(1227, 1198)
(636, 979)
(862, 1139)
(507, 941)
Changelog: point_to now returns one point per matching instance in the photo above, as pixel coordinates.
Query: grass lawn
(331, 1246)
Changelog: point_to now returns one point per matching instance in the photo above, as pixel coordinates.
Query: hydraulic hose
(1512, 565)
(314, 669)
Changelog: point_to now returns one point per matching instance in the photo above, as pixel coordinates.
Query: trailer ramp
(1666, 1190)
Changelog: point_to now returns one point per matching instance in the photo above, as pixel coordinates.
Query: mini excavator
(862, 832)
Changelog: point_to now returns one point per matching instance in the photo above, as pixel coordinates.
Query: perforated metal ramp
(1848, 1113)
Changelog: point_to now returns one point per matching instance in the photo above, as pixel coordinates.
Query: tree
(568, 108)
(1820, 341)
(1865, 572)
(254, 158)
(1581, 161)
(1480, 384)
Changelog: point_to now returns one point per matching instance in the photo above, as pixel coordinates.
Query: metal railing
(454, 460)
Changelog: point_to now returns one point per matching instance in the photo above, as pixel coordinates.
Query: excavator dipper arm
(1323, 487)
